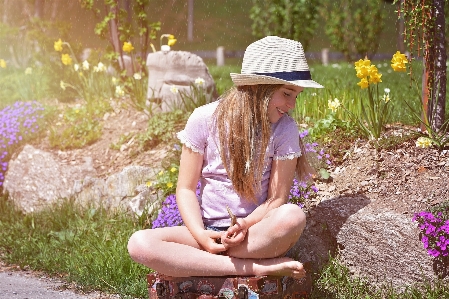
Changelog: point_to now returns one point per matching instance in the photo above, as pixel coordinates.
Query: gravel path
(24, 286)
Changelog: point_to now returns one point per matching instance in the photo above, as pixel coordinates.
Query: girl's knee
(292, 217)
(138, 244)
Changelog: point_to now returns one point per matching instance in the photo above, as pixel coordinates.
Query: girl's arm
(281, 180)
(189, 208)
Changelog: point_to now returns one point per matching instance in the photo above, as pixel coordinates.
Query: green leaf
(324, 174)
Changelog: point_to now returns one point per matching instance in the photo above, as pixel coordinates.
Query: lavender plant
(18, 122)
(434, 231)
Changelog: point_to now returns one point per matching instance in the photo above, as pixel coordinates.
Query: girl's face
(282, 101)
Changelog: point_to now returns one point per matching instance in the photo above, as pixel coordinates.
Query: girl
(245, 149)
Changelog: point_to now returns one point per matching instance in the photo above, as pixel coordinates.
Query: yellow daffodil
(58, 45)
(423, 142)
(66, 59)
(375, 78)
(169, 184)
(363, 83)
(171, 40)
(372, 70)
(161, 173)
(173, 169)
(333, 104)
(149, 183)
(28, 71)
(398, 62)
(128, 47)
(2, 63)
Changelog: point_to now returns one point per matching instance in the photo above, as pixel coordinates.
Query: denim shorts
(217, 228)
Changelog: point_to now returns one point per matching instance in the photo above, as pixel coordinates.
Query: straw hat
(275, 60)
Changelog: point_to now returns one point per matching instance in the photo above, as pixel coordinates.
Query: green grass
(86, 246)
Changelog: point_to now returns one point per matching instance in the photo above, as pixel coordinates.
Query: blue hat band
(289, 76)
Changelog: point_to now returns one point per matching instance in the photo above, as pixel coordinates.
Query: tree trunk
(114, 34)
(39, 8)
(437, 107)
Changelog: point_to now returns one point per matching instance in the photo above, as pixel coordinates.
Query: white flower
(386, 98)
(387, 90)
(85, 65)
(100, 67)
(313, 94)
(28, 71)
(423, 142)
(114, 80)
(119, 91)
(174, 89)
(333, 104)
(62, 84)
(199, 81)
(137, 76)
(165, 48)
(76, 67)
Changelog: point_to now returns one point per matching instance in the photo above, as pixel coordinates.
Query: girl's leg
(274, 235)
(173, 251)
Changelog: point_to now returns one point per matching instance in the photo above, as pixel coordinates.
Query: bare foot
(282, 266)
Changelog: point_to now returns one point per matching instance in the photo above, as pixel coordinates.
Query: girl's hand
(235, 234)
(208, 241)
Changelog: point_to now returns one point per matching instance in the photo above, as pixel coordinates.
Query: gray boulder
(380, 246)
(178, 69)
(35, 179)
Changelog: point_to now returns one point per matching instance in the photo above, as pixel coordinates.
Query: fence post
(325, 56)
(220, 56)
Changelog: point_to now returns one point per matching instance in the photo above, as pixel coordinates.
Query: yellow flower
(398, 62)
(169, 184)
(363, 83)
(386, 98)
(171, 40)
(173, 169)
(375, 78)
(62, 84)
(66, 59)
(28, 71)
(423, 142)
(333, 104)
(161, 172)
(149, 183)
(362, 68)
(128, 47)
(58, 45)
(2, 63)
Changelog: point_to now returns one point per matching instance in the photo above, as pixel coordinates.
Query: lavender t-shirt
(216, 187)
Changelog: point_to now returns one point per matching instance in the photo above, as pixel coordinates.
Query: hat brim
(252, 79)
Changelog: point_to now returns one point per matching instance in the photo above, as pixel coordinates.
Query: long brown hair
(244, 130)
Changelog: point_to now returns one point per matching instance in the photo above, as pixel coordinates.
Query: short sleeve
(286, 140)
(195, 133)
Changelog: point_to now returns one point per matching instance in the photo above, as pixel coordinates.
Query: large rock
(35, 179)
(379, 246)
(178, 69)
(384, 246)
(125, 190)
